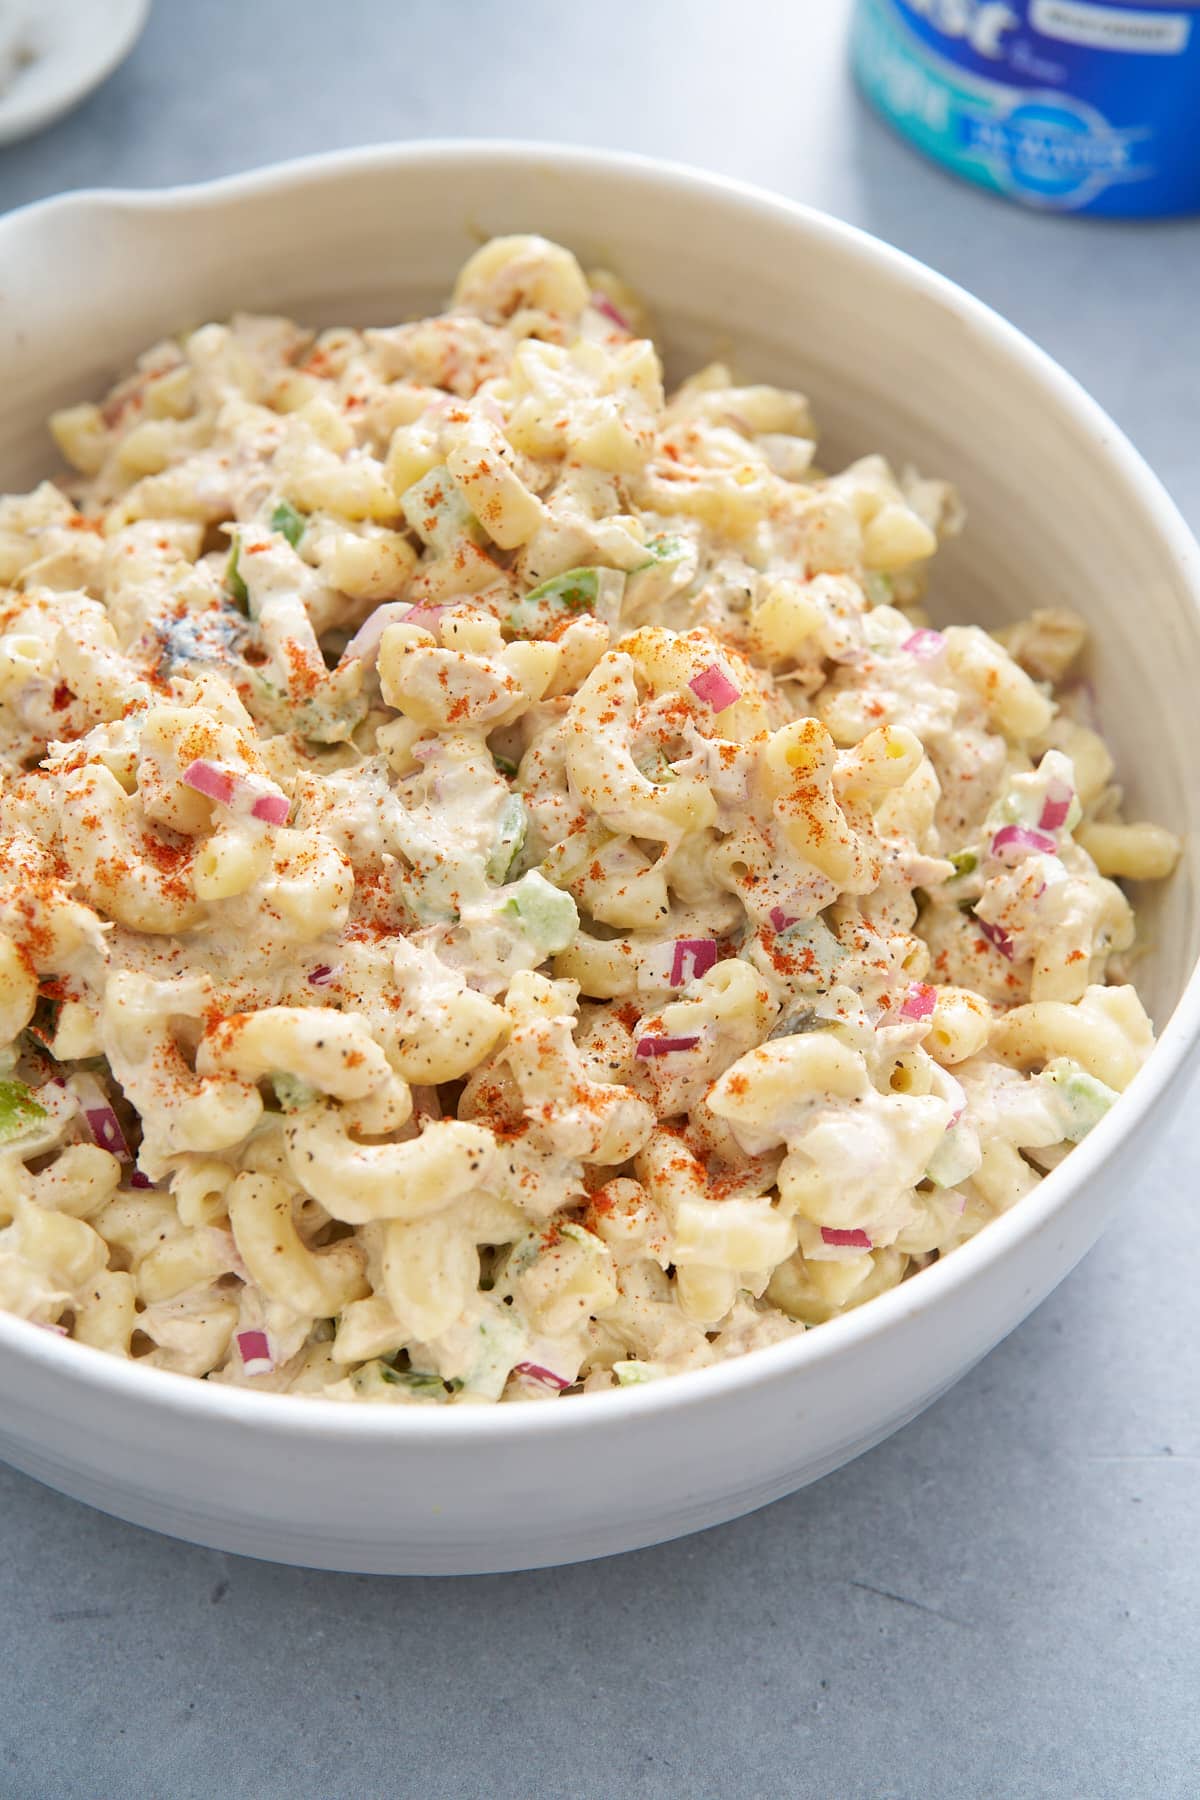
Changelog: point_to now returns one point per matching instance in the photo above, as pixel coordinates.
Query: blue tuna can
(1069, 105)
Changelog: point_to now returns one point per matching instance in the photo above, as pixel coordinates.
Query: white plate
(53, 52)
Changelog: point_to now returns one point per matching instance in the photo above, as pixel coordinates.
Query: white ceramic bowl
(1061, 508)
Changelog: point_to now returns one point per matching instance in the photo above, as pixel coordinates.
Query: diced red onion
(703, 954)
(714, 687)
(138, 1180)
(544, 1377)
(427, 614)
(996, 936)
(365, 642)
(255, 1352)
(1012, 841)
(604, 305)
(225, 788)
(1056, 806)
(105, 1128)
(320, 976)
(663, 1046)
(919, 1002)
(924, 644)
(273, 808)
(781, 920)
(102, 1121)
(58, 1330)
(214, 783)
(852, 1240)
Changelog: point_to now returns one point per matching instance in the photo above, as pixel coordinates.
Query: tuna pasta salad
(503, 890)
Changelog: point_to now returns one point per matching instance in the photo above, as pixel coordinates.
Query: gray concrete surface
(1002, 1600)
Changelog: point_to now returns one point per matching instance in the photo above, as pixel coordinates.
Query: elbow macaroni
(501, 889)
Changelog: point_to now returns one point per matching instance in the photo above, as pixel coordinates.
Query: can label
(1073, 105)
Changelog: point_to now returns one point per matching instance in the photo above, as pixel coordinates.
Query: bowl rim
(310, 1416)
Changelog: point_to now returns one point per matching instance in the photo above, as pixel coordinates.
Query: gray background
(1002, 1600)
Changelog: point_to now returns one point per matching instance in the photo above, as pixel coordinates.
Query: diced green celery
(550, 918)
(802, 1019)
(291, 1092)
(656, 768)
(521, 1255)
(663, 549)
(233, 580)
(332, 717)
(289, 522)
(878, 587)
(510, 840)
(634, 1374)
(1084, 1099)
(956, 1157)
(579, 1234)
(814, 935)
(428, 908)
(437, 512)
(505, 764)
(501, 1343)
(574, 591)
(965, 862)
(885, 629)
(20, 1113)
